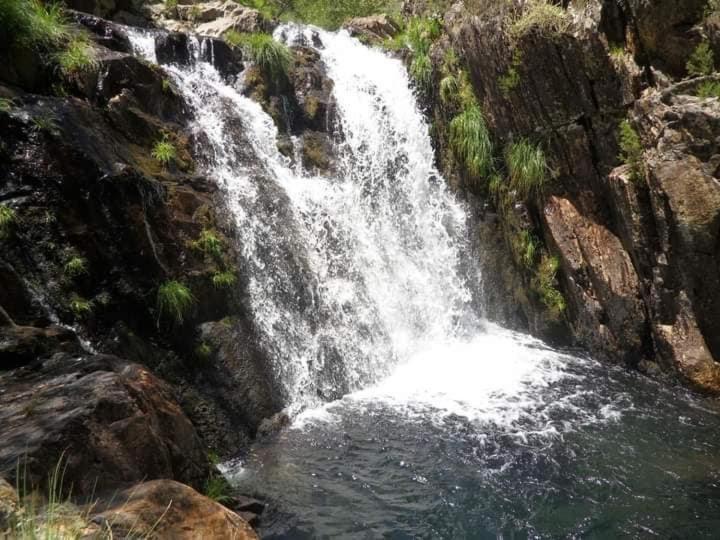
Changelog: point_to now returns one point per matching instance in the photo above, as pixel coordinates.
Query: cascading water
(449, 426)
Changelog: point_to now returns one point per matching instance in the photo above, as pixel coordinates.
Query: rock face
(168, 509)
(634, 250)
(113, 422)
(79, 173)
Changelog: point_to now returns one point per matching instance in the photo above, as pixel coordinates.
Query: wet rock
(372, 28)
(668, 30)
(607, 310)
(239, 372)
(274, 424)
(175, 48)
(317, 151)
(106, 33)
(112, 422)
(312, 89)
(168, 509)
(20, 345)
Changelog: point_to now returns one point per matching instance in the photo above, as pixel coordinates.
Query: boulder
(372, 28)
(20, 345)
(212, 18)
(169, 509)
(111, 422)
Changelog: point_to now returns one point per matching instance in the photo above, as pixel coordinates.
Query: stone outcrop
(633, 253)
(372, 28)
(113, 423)
(211, 18)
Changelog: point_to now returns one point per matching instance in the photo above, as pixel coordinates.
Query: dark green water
(572, 449)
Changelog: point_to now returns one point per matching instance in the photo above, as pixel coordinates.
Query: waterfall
(352, 274)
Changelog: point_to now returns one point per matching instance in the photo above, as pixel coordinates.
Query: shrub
(527, 168)
(76, 266)
(164, 152)
(470, 141)
(701, 61)
(79, 306)
(224, 280)
(77, 57)
(209, 243)
(449, 90)
(5, 104)
(542, 15)
(8, 218)
(421, 71)
(269, 55)
(631, 150)
(174, 300)
(171, 6)
(327, 13)
(708, 89)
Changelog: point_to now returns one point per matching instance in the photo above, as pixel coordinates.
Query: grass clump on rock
(8, 218)
(701, 61)
(470, 140)
(545, 280)
(175, 301)
(77, 57)
(164, 152)
(631, 150)
(708, 89)
(79, 306)
(527, 168)
(272, 57)
(209, 243)
(224, 280)
(543, 15)
(76, 266)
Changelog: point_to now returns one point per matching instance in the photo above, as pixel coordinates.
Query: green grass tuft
(701, 61)
(77, 57)
(421, 71)
(470, 141)
(218, 489)
(527, 168)
(272, 57)
(545, 281)
(511, 79)
(46, 122)
(526, 248)
(542, 15)
(174, 300)
(708, 89)
(76, 266)
(79, 306)
(6, 104)
(631, 149)
(203, 351)
(164, 152)
(449, 90)
(8, 219)
(224, 280)
(209, 243)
